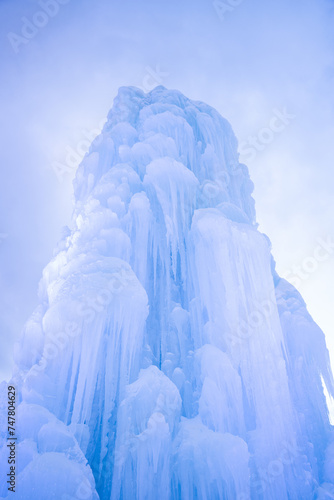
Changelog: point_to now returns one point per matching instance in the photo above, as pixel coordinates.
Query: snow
(166, 358)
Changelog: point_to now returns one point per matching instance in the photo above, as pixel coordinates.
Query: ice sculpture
(166, 358)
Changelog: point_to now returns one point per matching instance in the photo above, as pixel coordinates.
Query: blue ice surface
(166, 358)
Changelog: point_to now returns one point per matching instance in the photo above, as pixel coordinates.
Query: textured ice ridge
(166, 358)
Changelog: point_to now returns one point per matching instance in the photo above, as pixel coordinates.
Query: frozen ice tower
(167, 359)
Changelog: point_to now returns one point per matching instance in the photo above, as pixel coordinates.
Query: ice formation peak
(143, 128)
(166, 360)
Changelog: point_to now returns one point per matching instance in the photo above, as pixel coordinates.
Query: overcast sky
(252, 60)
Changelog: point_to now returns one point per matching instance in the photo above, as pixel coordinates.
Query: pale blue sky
(257, 59)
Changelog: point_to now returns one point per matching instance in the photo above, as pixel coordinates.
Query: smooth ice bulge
(166, 358)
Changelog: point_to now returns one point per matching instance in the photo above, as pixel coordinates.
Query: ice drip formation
(167, 359)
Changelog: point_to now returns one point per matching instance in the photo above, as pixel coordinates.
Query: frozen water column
(175, 372)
